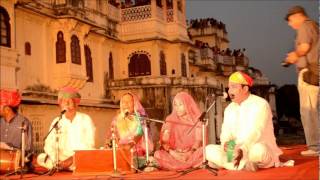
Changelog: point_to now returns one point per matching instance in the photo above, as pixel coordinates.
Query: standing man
(306, 49)
(247, 136)
(11, 123)
(75, 131)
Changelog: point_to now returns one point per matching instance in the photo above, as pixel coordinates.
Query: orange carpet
(305, 168)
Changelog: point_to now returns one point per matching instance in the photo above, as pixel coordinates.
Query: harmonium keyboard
(100, 161)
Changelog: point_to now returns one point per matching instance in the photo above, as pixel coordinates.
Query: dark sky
(258, 26)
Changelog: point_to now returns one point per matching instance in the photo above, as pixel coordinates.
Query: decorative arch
(5, 28)
(75, 50)
(139, 64)
(139, 52)
(60, 48)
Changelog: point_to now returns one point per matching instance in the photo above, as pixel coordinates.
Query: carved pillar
(175, 11)
(153, 9)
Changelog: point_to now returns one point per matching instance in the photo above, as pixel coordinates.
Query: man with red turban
(11, 122)
(76, 131)
(247, 136)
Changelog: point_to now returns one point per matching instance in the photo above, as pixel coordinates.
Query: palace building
(106, 48)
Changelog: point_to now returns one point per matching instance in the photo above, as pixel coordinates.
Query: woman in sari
(180, 149)
(128, 128)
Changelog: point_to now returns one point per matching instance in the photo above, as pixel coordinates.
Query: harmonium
(100, 161)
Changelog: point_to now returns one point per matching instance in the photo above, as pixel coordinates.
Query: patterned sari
(182, 153)
(129, 129)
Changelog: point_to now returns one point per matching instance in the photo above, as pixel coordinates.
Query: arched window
(27, 48)
(75, 50)
(183, 66)
(169, 4)
(89, 68)
(60, 48)
(192, 56)
(111, 74)
(5, 39)
(139, 65)
(179, 5)
(159, 3)
(163, 65)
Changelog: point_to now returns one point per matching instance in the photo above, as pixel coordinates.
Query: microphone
(63, 111)
(223, 94)
(126, 114)
(22, 125)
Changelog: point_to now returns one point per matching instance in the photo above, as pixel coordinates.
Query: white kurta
(250, 125)
(76, 135)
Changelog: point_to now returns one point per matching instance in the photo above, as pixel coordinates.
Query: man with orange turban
(76, 131)
(247, 137)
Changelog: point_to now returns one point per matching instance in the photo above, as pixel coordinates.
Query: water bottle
(230, 148)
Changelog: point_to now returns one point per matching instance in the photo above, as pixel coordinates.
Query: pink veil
(191, 107)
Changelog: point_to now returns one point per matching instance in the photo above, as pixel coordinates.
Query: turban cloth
(241, 78)
(69, 93)
(10, 98)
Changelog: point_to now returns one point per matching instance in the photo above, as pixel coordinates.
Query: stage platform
(305, 168)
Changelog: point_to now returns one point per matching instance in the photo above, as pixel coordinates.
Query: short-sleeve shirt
(309, 33)
(11, 132)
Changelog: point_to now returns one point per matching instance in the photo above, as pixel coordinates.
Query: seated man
(76, 131)
(247, 127)
(128, 128)
(181, 143)
(11, 122)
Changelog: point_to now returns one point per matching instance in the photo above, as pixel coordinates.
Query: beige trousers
(309, 104)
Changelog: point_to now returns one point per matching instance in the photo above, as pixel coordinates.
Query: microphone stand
(204, 164)
(56, 163)
(146, 135)
(23, 144)
(55, 124)
(115, 173)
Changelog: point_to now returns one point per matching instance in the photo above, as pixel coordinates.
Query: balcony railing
(206, 53)
(227, 60)
(242, 61)
(136, 13)
(162, 81)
